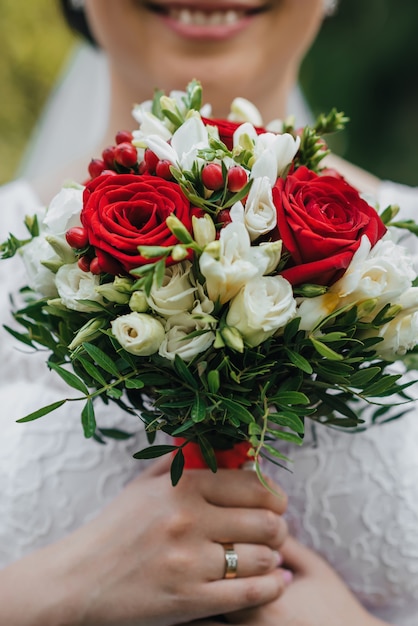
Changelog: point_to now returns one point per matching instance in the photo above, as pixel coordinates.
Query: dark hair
(76, 20)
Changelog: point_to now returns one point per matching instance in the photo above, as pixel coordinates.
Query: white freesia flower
(262, 307)
(384, 271)
(176, 293)
(401, 334)
(74, 285)
(204, 230)
(260, 214)
(273, 154)
(232, 262)
(177, 342)
(243, 110)
(185, 142)
(40, 278)
(64, 211)
(138, 333)
(380, 273)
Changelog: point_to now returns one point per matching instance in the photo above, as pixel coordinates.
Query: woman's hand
(315, 597)
(154, 556)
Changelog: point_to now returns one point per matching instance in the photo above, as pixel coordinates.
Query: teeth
(199, 18)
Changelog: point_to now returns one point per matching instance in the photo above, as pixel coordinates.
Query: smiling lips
(207, 16)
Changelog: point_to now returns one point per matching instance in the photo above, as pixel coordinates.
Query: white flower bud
(138, 333)
(204, 230)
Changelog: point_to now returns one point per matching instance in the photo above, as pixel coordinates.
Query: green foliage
(261, 395)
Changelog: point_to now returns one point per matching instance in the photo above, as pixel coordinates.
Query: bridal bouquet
(212, 278)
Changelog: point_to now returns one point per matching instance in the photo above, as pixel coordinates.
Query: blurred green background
(364, 62)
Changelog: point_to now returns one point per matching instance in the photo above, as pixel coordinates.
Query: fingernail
(287, 576)
(279, 558)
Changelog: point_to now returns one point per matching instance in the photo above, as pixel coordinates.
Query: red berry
(77, 237)
(108, 156)
(151, 160)
(224, 217)
(142, 168)
(236, 178)
(95, 266)
(96, 167)
(163, 169)
(212, 176)
(84, 263)
(123, 135)
(126, 154)
(109, 173)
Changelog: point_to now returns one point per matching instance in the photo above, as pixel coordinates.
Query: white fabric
(353, 498)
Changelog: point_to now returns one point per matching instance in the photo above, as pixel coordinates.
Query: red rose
(227, 129)
(125, 211)
(321, 220)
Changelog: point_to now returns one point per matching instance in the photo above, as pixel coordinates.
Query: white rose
(177, 342)
(64, 211)
(401, 334)
(40, 278)
(74, 285)
(138, 333)
(260, 214)
(176, 293)
(262, 307)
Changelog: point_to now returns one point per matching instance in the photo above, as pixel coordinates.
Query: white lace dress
(353, 498)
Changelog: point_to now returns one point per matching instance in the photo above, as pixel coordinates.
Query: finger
(251, 526)
(298, 557)
(226, 596)
(242, 489)
(252, 560)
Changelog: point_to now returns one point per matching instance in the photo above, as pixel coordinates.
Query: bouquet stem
(232, 458)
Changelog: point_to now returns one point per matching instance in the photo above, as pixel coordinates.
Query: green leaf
(88, 420)
(115, 433)
(288, 419)
(184, 427)
(208, 453)
(134, 383)
(290, 397)
(184, 372)
(285, 436)
(24, 338)
(382, 386)
(41, 412)
(101, 358)
(92, 370)
(363, 376)
(198, 409)
(154, 451)
(237, 410)
(213, 381)
(71, 379)
(299, 361)
(325, 351)
(177, 467)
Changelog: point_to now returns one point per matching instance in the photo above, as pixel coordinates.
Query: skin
(142, 565)
(154, 557)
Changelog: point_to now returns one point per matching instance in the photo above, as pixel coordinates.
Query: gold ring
(231, 561)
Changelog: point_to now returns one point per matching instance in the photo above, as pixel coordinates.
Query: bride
(90, 536)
